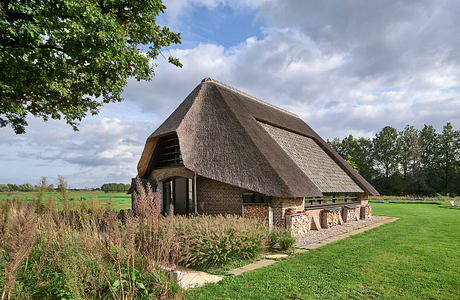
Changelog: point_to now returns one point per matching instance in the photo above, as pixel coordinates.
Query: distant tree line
(44, 187)
(406, 162)
(115, 187)
(26, 187)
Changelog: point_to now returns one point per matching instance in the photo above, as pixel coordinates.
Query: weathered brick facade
(214, 197)
(280, 205)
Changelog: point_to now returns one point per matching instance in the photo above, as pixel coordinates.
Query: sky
(345, 67)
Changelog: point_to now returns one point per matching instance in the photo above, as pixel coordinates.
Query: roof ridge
(209, 79)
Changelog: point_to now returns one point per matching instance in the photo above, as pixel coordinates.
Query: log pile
(366, 212)
(331, 217)
(350, 213)
(298, 223)
(257, 211)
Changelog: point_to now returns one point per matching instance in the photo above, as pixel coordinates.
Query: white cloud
(105, 149)
(346, 67)
(325, 86)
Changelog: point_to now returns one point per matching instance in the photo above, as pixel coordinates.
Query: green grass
(440, 200)
(416, 257)
(119, 200)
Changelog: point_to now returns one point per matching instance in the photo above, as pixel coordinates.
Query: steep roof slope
(223, 136)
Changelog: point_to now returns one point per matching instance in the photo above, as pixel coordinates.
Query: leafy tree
(449, 142)
(336, 144)
(115, 187)
(421, 162)
(408, 149)
(429, 151)
(13, 187)
(348, 148)
(386, 151)
(26, 187)
(66, 58)
(358, 153)
(4, 188)
(364, 158)
(429, 143)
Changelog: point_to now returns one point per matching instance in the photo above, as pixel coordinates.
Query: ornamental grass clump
(213, 241)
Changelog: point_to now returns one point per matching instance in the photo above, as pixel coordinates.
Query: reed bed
(89, 251)
(86, 251)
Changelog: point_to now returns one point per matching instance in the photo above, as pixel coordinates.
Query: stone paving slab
(192, 278)
(258, 264)
(276, 256)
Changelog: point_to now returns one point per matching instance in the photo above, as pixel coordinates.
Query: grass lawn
(119, 200)
(416, 257)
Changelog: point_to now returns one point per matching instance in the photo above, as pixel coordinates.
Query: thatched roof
(229, 136)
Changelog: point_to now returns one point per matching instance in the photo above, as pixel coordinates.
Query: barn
(223, 151)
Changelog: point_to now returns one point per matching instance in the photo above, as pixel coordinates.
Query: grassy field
(416, 257)
(118, 200)
(440, 200)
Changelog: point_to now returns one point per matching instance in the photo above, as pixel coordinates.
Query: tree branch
(15, 16)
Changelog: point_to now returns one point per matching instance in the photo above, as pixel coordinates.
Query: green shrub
(273, 239)
(282, 238)
(286, 241)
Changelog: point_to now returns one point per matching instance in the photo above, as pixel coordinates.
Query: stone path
(333, 238)
(192, 278)
(313, 236)
(257, 265)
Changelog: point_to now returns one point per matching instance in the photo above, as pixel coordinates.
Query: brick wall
(280, 205)
(214, 197)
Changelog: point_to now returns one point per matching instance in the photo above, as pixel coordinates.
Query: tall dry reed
(17, 239)
(86, 251)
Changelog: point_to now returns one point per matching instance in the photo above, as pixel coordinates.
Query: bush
(282, 238)
(115, 187)
(219, 240)
(286, 241)
(273, 239)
